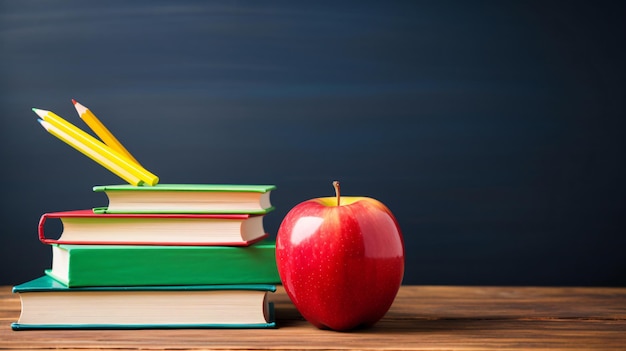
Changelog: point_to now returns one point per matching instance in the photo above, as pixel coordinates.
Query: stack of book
(163, 256)
(158, 256)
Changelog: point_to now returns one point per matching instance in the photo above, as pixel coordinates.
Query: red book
(87, 227)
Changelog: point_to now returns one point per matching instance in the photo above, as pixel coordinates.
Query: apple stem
(337, 191)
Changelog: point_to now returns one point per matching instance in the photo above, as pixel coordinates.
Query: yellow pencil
(91, 153)
(95, 149)
(101, 131)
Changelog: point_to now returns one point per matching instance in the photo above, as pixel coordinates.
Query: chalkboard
(493, 130)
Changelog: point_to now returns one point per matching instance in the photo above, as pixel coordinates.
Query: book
(47, 304)
(124, 265)
(86, 227)
(187, 198)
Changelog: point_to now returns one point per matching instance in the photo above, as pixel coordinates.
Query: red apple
(341, 260)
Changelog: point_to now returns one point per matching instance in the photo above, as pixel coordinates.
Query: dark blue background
(493, 130)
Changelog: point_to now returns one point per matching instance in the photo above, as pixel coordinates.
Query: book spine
(40, 230)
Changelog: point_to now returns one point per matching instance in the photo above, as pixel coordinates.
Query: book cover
(128, 265)
(187, 198)
(86, 227)
(48, 304)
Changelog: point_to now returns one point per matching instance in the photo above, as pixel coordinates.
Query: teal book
(187, 198)
(48, 304)
(128, 265)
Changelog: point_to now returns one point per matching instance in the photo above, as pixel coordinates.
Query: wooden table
(422, 318)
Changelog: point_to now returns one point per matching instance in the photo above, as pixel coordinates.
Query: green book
(128, 265)
(187, 198)
(47, 304)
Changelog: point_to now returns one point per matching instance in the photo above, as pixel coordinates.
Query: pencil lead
(74, 101)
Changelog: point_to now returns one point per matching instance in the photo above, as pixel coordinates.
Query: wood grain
(422, 318)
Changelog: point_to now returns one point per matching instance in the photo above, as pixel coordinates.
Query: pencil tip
(39, 112)
(74, 101)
